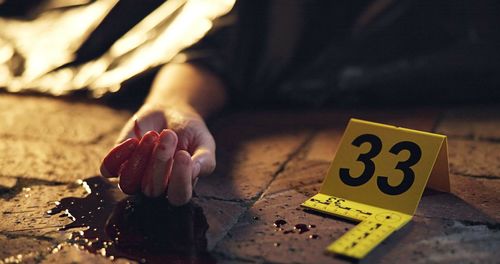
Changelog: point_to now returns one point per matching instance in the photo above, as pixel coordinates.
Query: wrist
(172, 111)
(188, 87)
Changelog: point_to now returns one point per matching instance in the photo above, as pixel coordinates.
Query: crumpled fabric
(94, 47)
(315, 53)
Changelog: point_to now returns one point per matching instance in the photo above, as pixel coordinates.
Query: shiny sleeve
(215, 51)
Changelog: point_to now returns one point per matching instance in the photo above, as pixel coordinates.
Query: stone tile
(324, 145)
(303, 176)
(221, 216)
(248, 156)
(431, 240)
(50, 119)
(449, 206)
(474, 158)
(481, 122)
(256, 238)
(49, 161)
(25, 249)
(25, 213)
(481, 194)
(7, 182)
(70, 254)
(221, 260)
(476, 200)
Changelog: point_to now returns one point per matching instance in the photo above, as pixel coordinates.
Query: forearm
(187, 85)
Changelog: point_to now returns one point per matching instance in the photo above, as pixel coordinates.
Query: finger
(154, 182)
(204, 156)
(110, 166)
(140, 123)
(132, 170)
(137, 130)
(180, 185)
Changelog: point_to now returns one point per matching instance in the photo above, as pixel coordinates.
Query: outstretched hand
(161, 152)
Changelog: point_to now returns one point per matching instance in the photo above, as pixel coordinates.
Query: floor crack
(468, 175)
(491, 225)
(280, 169)
(473, 137)
(210, 197)
(11, 235)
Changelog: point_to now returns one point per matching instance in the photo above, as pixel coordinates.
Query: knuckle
(211, 164)
(178, 201)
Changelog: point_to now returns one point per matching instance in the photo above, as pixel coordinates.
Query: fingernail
(137, 129)
(104, 172)
(195, 182)
(196, 170)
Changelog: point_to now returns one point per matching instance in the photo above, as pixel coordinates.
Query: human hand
(162, 151)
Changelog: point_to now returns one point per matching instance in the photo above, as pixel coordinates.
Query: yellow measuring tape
(377, 177)
(376, 224)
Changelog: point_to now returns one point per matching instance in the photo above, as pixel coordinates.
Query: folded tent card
(377, 177)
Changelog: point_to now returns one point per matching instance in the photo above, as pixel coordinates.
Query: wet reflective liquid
(135, 227)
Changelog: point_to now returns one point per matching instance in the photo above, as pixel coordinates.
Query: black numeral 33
(369, 165)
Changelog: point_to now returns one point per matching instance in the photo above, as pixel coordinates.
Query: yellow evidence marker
(377, 177)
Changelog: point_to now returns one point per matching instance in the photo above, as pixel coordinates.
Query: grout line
(440, 117)
(210, 197)
(12, 235)
(280, 169)
(233, 258)
(476, 138)
(28, 138)
(98, 139)
(488, 177)
(491, 225)
(22, 182)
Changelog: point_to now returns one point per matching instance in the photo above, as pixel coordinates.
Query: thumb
(204, 156)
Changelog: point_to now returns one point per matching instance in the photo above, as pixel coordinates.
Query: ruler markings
(376, 223)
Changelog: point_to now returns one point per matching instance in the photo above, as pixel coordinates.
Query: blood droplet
(301, 227)
(278, 223)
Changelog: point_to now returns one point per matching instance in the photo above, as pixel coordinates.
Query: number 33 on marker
(379, 170)
(387, 166)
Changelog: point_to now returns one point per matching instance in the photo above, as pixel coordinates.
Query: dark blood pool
(135, 227)
(279, 222)
(302, 228)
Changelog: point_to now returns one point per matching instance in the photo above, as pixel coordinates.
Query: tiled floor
(268, 163)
